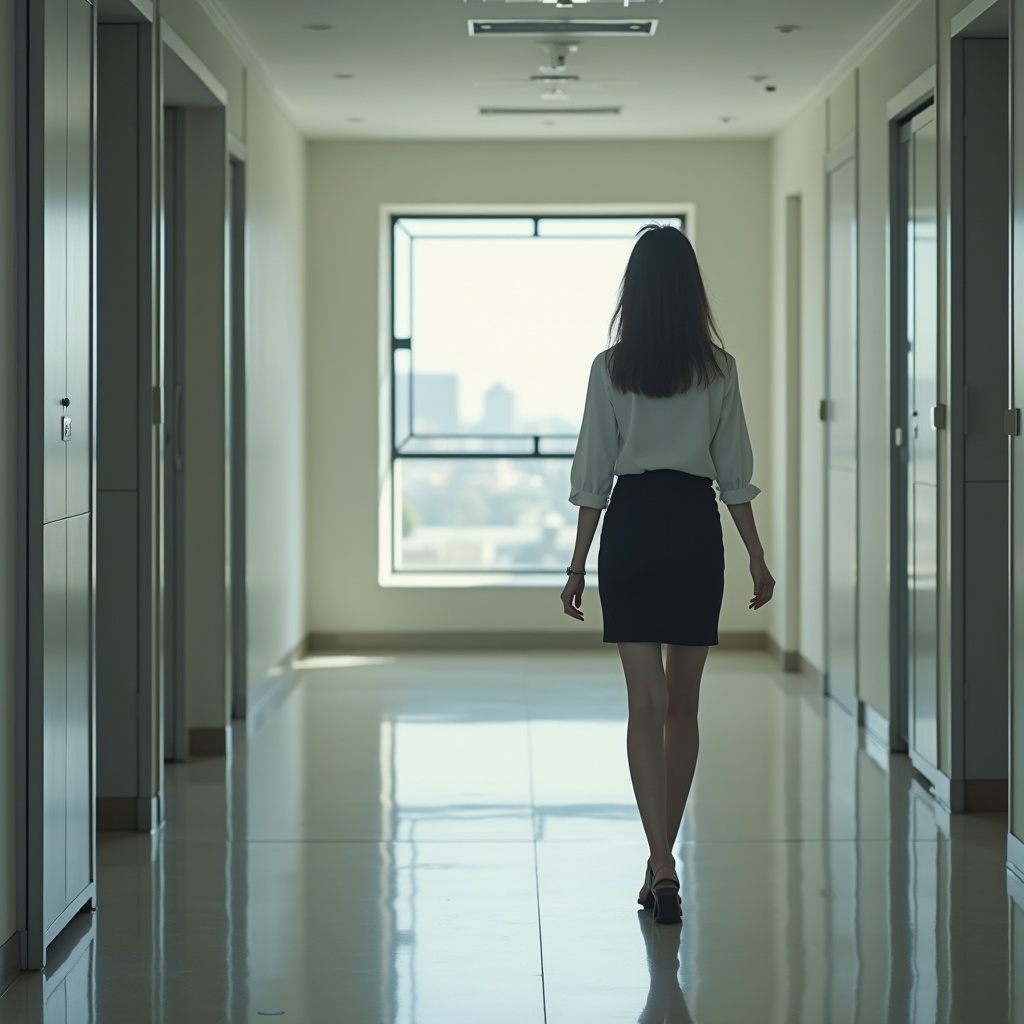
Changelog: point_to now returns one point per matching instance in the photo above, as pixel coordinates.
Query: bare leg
(683, 669)
(647, 694)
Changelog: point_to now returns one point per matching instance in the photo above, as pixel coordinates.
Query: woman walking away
(664, 416)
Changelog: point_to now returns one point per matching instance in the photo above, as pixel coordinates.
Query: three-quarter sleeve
(593, 466)
(730, 447)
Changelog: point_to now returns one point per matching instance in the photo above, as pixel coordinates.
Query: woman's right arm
(734, 463)
(764, 584)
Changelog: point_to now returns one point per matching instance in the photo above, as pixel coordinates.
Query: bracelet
(572, 572)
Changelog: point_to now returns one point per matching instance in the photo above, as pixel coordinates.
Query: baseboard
(209, 741)
(116, 813)
(320, 643)
(129, 813)
(961, 796)
(743, 641)
(949, 793)
(939, 782)
(986, 795)
(150, 816)
(279, 678)
(788, 661)
(877, 724)
(810, 670)
(335, 643)
(10, 962)
(1015, 869)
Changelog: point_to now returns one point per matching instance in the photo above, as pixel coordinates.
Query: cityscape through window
(495, 321)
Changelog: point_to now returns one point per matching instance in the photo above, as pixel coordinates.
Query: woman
(663, 414)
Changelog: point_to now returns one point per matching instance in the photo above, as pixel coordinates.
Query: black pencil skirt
(661, 567)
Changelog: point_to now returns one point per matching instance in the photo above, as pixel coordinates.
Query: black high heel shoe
(668, 904)
(646, 897)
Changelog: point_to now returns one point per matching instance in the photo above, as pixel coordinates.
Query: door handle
(938, 417)
(179, 434)
(1011, 422)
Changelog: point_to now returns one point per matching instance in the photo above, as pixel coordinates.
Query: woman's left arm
(586, 528)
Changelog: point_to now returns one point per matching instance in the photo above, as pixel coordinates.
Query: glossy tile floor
(439, 839)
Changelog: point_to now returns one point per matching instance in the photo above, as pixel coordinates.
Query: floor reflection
(433, 839)
(666, 1003)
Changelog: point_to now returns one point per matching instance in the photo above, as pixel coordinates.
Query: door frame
(905, 105)
(203, 698)
(838, 156)
(237, 391)
(144, 812)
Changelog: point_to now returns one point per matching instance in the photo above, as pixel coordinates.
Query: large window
(495, 321)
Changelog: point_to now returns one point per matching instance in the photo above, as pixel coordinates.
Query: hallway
(482, 859)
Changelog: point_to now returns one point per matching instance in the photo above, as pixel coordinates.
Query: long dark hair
(664, 333)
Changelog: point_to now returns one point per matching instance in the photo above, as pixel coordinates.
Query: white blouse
(702, 432)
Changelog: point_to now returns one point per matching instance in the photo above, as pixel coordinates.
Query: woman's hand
(764, 583)
(572, 597)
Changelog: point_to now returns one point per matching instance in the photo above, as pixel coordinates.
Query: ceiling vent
(577, 28)
(572, 3)
(549, 111)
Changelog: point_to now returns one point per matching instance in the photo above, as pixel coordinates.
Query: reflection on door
(918, 167)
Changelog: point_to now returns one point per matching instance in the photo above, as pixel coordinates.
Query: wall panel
(728, 182)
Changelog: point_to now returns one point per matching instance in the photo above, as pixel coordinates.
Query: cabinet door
(54, 278)
(79, 256)
(78, 794)
(54, 720)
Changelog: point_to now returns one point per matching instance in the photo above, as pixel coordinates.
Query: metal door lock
(65, 421)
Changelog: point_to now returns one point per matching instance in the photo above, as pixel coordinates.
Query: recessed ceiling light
(343, 75)
(759, 78)
(787, 29)
(318, 27)
(728, 119)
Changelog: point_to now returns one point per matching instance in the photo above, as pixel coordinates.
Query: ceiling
(417, 72)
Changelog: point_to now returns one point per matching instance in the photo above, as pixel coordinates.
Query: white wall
(859, 102)
(906, 53)
(276, 410)
(275, 455)
(8, 412)
(797, 161)
(348, 183)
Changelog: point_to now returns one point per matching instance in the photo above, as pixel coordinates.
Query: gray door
(841, 418)
(920, 170)
(979, 489)
(67, 717)
(175, 722)
(59, 706)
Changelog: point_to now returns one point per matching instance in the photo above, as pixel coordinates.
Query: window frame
(391, 572)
